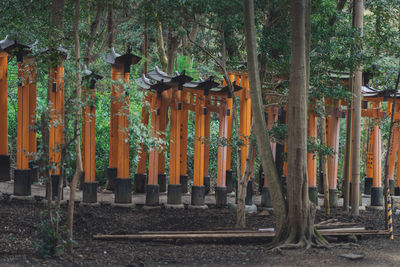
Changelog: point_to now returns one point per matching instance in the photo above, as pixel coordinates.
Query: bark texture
(355, 192)
(300, 212)
(79, 169)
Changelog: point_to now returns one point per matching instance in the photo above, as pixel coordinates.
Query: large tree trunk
(260, 127)
(355, 192)
(79, 169)
(300, 211)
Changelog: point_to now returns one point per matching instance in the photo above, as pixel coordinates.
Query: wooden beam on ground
(230, 235)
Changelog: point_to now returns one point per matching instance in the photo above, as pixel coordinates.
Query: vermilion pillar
(32, 123)
(22, 182)
(174, 187)
(162, 177)
(184, 143)
(370, 165)
(4, 156)
(229, 177)
(245, 125)
(397, 188)
(207, 148)
(333, 130)
(153, 186)
(140, 175)
(89, 145)
(117, 74)
(122, 181)
(123, 134)
(311, 159)
(376, 189)
(220, 189)
(198, 188)
(56, 131)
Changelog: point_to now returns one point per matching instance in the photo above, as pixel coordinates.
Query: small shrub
(49, 241)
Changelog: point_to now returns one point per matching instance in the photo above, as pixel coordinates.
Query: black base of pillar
(54, 187)
(111, 175)
(397, 191)
(22, 182)
(162, 182)
(140, 182)
(184, 179)
(367, 185)
(266, 198)
(321, 183)
(152, 195)
(89, 192)
(174, 196)
(5, 168)
(207, 184)
(198, 195)
(229, 181)
(220, 196)
(123, 194)
(313, 195)
(376, 196)
(81, 181)
(249, 193)
(392, 184)
(34, 171)
(333, 198)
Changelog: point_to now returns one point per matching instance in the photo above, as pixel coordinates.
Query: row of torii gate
(179, 94)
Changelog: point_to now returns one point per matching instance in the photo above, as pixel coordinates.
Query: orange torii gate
(89, 137)
(373, 179)
(203, 98)
(26, 114)
(118, 170)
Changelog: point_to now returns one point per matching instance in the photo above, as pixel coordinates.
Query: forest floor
(19, 222)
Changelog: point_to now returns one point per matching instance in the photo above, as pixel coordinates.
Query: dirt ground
(19, 221)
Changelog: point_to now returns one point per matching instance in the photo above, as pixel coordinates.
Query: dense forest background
(187, 35)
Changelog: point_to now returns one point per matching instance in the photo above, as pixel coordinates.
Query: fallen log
(232, 235)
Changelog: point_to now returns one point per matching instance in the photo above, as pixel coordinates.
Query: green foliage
(50, 241)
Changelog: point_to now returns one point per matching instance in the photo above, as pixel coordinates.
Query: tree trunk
(173, 43)
(57, 21)
(324, 162)
(260, 127)
(242, 183)
(94, 33)
(355, 192)
(110, 24)
(300, 213)
(347, 159)
(78, 170)
(160, 47)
